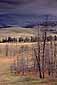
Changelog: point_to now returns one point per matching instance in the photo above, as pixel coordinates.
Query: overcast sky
(29, 6)
(29, 9)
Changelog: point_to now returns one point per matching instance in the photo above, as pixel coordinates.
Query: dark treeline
(20, 39)
(27, 39)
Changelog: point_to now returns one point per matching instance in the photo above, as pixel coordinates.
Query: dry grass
(6, 78)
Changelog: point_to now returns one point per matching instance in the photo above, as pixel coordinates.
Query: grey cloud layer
(15, 2)
(29, 6)
(41, 2)
(22, 12)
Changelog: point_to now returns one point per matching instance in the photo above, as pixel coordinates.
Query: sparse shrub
(34, 39)
(21, 39)
(9, 39)
(4, 40)
(55, 38)
(49, 38)
(14, 40)
(26, 39)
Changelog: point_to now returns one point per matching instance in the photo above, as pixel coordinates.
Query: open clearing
(6, 78)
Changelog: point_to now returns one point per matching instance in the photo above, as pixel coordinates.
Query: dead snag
(51, 58)
(38, 55)
(6, 49)
(44, 43)
(55, 50)
(38, 63)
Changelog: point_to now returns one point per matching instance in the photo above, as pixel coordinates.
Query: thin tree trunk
(6, 50)
(55, 60)
(38, 63)
(38, 55)
(44, 42)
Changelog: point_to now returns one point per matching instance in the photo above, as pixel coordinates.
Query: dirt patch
(6, 59)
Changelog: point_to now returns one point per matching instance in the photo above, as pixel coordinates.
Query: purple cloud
(15, 2)
(26, 7)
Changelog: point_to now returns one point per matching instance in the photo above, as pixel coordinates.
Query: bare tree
(55, 51)
(51, 58)
(6, 49)
(44, 43)
(38, 55)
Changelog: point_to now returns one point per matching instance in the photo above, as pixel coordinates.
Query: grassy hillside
(16, 32)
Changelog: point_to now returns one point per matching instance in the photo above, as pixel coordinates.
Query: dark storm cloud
(11, 1)
(27, 8)
(15, 1)
(49, 2)
(30, 5)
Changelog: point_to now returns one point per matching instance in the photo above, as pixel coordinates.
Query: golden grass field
(6, 77)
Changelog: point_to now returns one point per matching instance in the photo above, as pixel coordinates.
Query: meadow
(23, 55)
